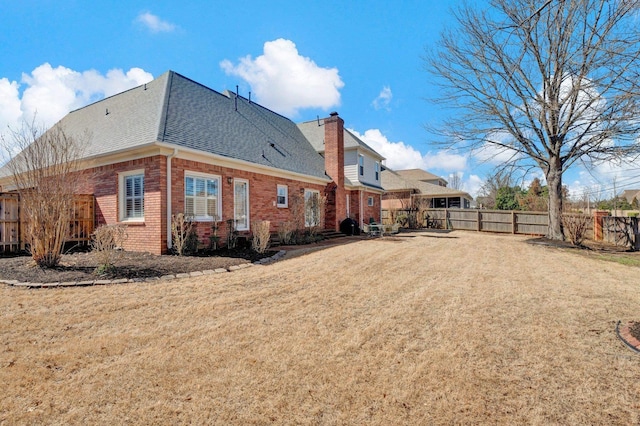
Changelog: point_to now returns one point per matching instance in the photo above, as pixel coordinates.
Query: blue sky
(301, 59)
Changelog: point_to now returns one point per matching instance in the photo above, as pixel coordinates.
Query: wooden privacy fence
(12, 224)
(512, 222)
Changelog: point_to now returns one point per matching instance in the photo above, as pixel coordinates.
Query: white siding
(351, 167)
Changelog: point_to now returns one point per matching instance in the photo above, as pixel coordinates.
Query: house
(173, 145)
(630, 195)
(362, 167)
(406, 188)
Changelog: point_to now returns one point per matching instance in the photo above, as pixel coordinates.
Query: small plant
(107, 242)
(185, 238)
(232, 234)
(261, 235)
(575, 227)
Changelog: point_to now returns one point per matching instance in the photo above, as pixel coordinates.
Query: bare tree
(42, 174)
(455, 181)
(550, 83)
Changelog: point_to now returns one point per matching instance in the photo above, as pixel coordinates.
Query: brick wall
(151, 235)
(102, 181)
(262, 196)
(367, 211)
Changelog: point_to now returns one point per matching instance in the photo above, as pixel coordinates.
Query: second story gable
(362, 164)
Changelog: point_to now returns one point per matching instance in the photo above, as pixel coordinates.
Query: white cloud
(400, 155)
(473, 184)
(384, 99)
(285, 81)
(445, 160)
(50, 93)
(154, 24)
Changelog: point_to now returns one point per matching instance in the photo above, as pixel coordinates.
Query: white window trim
(219, 201)
(122, 204)
(360, 165)
(370, 202)
(286, 196)
(248, 205)
(377, 171)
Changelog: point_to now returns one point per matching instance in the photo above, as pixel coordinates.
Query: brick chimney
(336, 210)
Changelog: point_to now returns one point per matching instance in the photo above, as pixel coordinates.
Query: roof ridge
(164, 107)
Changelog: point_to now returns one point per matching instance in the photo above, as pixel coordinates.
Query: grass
(424, 329)
(622, 259)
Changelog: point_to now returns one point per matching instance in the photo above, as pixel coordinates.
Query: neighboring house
(362, 171)
(406, 188)
(174, 145)
(630, 195)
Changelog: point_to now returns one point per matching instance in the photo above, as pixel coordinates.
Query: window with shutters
(202, 197)
(131, 196)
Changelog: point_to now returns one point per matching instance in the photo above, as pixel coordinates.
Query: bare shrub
(286, 232)
(106, 242)
(232, 234)
(576, 227)
(214, 238)
(261, 235)
(314, 207)
(43, 176)
(184, 237)
(296, 208)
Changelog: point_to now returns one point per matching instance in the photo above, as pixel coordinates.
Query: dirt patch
(82, 266)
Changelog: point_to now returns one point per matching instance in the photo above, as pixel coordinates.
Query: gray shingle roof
(176, 110)
(396, 181)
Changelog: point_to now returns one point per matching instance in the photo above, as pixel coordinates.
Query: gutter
(169, 157)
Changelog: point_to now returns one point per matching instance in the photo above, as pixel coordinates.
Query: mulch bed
(630, 334)
(131, 265)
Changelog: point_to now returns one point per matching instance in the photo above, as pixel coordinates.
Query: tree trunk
(554, 183)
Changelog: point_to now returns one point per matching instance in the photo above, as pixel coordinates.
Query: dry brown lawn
(458, 328)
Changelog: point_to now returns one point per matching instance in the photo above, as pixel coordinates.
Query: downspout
(169, 157)
(362, 221)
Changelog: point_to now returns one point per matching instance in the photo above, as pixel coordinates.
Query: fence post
(513, 222)
(479, 227)
(597, 224)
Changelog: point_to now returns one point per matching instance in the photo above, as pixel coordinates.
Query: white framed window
(202, 200)
(312, 213)
(370, 201)
(131, 195)
(241, 204)
(377, 171)
(361, 165)
(282, 196)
